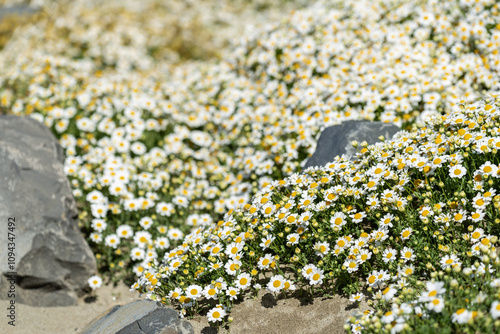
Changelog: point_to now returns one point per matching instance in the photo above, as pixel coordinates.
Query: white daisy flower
(95, 282)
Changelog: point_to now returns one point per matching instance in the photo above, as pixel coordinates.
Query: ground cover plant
(154, 150)
(412, 221)
(107, 96)
(157, 150)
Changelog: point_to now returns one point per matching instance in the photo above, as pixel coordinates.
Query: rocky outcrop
(336, 140)
(52, 259)
(140, 317)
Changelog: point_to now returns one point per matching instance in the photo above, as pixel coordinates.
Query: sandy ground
(70, 319)
(264, 315)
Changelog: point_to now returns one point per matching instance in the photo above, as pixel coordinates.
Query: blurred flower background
(186, 124)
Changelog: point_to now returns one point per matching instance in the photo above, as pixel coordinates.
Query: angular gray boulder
(140, 317)
(336, 140)
(52, 259)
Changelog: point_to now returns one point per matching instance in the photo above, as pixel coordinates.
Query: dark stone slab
(336, 140)
(53, 261)
(140, 317)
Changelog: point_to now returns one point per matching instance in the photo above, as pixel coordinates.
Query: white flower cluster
(389, 60)
(400, 213)
(165, 149)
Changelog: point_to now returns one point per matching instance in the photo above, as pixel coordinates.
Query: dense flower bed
(388, 60)
(147, 152)
(158, 153)
(154, 150)
(390, 223)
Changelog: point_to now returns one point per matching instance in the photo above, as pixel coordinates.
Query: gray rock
(140, 317)
(52, 259)
(336, 140)
(18, 10)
